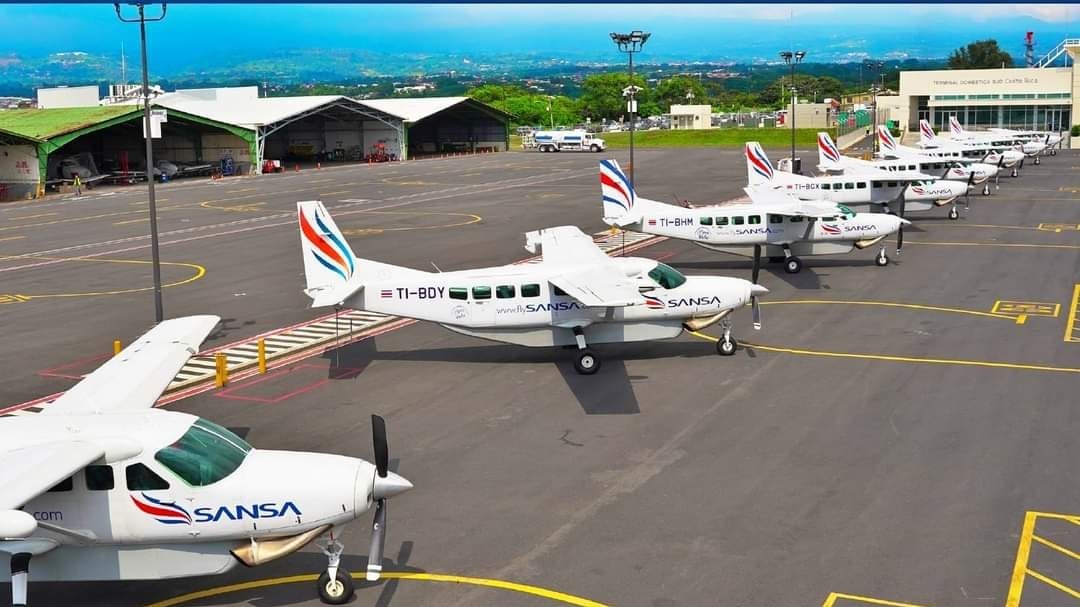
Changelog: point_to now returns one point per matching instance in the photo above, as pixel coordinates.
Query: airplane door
(482, 306)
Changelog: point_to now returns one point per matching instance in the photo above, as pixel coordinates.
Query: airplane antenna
(436, 267)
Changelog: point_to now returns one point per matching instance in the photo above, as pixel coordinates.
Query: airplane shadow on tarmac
(609, 392)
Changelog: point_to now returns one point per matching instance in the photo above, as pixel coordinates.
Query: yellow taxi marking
(11, 299)
(333, 193)
(830, 601)
(1052, 545)
(887, 304)
(141, 219)
(469, 219)
(1021, 570)
(32, 216)
(11, 238)
(1069, 189)
(239, 208)
(1071, 331)
(1021, 310)
(1059, 227)
(995, 244)
(200, 271)
(560, 597)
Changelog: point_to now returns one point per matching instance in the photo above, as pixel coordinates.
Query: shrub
(1075, 132)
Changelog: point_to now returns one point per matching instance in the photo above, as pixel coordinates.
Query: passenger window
(825, 186)
(481, 292)
(827, 219)
(706, 221)
(530, 290)
(849, 186)
(459, 293)
(721, 221)
(861, 185)
(558, 291)
(738, 220)
(65, 485)
(99, 478)
(142, 478)
(754, 219)
(892, 184)
(504, 291)
(876, 184)
(776, 219)
(795, 218)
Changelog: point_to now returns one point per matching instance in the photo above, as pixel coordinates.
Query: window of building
(142, 478)
(504, 292)
(205, 454)
(481, 292)
(99, 478)
(531, 290)
(459, 293)
(706, 221)
(754, 219)
(65, 485)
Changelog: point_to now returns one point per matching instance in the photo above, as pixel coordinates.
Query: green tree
(673, 91)
(601, 96)
(980, 54)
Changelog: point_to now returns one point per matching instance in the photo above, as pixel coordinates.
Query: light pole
(874, 89)
(792, 58)
(631, 43)
(159, 309)
(551, 114)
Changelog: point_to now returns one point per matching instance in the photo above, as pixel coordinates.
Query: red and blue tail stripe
(168, 513)
(615, 187)
(759, 161)
(828, 147)
(886, 138)
(328, 249)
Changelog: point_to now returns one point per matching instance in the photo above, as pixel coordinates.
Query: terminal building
(1041, 97)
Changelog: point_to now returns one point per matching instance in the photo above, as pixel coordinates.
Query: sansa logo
(241, 511)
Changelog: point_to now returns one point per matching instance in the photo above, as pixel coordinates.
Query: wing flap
(136, 377)
(598, 288)
(30, 471)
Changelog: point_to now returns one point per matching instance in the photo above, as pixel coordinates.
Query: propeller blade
(378, 540)
(755, 311)
(900, 232)
(382, 450)
(757, 264)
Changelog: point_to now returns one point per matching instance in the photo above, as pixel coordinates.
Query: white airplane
(575, 294)
(872, 188)
(1028, 146)
(932, 145)
(781, 224)
(101, 486)
(1052, 139)
(955, 166)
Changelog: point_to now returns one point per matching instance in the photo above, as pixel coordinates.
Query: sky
(223, 32)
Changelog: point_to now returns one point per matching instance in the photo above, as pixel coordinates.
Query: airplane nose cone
(390, 486)
(758, 290)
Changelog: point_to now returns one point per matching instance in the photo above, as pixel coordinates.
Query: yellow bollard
(222, 376)
(116, 347)
(262, 355)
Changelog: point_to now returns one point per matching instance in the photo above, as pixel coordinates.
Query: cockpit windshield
(205, 454)
(667, 276)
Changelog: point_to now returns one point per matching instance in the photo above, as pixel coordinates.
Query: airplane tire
(1038, 160)
(954, 214)
(337, 591)
(726, 347)
(882, 260)
(792, 265)
(986, 190)
(587, 363)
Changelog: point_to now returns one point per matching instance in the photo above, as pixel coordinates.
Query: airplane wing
(136, 377)
(585, 272)
(31, 471)
(779, 203)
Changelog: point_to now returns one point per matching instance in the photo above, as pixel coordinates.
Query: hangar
(106, 139)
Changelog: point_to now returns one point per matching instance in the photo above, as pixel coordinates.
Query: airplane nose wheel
(1015, 172)
(986, 189)
(727, 344)
(587, 363)
(792, 265)
(954, 214)
(335, 585)
(882, 259)
(1038, 160)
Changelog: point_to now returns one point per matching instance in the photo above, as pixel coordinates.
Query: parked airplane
(932, 145)
(956, 167)
(1052, 139)
(781, 224)
(876, 188)
(1027, 146)
(575, 295)
(102, 486)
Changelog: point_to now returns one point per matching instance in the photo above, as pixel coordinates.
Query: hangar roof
(416, 109)
(46, 124)
(242, 106)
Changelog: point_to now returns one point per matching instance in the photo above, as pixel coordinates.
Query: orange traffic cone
(318, 166)
(296, 168)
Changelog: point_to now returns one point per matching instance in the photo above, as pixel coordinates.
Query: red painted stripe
(606, 180)
(155, 511)
(317, 240)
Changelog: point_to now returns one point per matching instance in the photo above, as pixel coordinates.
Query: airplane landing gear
(1015, 172)
(20, 572)
(986, 189)
(727, 344)
(587, 362)
(1038, 159)
(882, 259)
(1053, 152)
(954, 214)
(335, 586)
(792, 264)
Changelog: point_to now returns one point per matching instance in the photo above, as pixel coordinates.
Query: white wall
(67, 96)
(375, 131)
(19, 170)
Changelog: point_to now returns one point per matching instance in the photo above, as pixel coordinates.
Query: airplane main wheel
(337, 591)
(1038, 160)
(1014, 172)
(726, 347)
(1053, 152)
(954, 214)
(882, 260)
(587, 363)
(986, 190)
(792, 265)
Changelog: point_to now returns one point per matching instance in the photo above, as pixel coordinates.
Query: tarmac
(882, 440)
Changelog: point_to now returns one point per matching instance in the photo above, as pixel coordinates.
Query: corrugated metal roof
(243, 107)
(414, 109)
(49, 123)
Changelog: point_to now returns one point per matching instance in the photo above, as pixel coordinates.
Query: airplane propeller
(755, 307)
(900, 232)
(385, 485)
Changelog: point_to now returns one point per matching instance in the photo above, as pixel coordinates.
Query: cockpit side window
(667, 276)
(141, 478)
(205, 454)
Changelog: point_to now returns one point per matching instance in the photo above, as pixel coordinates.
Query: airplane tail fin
(886, 139)
(926, 132)
(618, 196)
(828, 153)
(330, 266)
(954, 126)
(759, 170)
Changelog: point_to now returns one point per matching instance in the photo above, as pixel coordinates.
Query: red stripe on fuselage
(155, 511)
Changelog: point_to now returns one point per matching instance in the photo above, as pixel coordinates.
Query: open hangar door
(467, 126)
(340, 130)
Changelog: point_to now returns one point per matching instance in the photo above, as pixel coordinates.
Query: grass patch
(732, 137)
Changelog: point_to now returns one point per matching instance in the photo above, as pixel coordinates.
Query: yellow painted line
(1023, 552)
(1026, 308)
(887, 304)
(32, 216)
(903, 359)
(333, 193)
(469, 219)
(120, 223)
(248, 207)
(995, 244)
(553, 595)
(1052, 545)
(11, 238)
(200, 271)
(1062, 587)
(1070, 323)
(835, 596)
